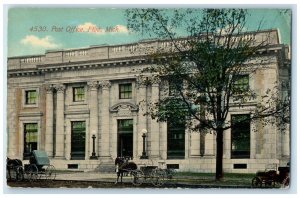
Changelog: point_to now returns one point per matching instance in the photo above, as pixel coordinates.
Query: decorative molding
(144, 81)
(59, 87)
(141, 81)
(49, 88)
(105, 84)
(31, 114)
(77, 112)
(155, 80)
(93, 85)
(124, 106)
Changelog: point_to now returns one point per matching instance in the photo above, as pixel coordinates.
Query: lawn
(234, 179)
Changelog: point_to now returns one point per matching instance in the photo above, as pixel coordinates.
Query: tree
(205, 68)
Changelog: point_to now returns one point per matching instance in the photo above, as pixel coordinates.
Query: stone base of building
(203, 165)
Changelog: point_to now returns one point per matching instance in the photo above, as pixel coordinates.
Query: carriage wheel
(50, 172)
(19, 173)
(11, 173)
(286, 182)
(158, 177)
(256, 182)
(32, 172)
(138, 177)
(169, 176)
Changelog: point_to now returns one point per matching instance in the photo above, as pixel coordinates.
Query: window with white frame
(241, 84)
(31, 97)
(125, 91)
(78, 94)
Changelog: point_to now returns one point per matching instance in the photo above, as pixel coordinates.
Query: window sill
(30, 105)
(78, 103)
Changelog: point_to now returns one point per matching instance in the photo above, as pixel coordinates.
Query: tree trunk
(219, 157)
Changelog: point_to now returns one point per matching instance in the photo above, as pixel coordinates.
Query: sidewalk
(87, 176)
(185, 181)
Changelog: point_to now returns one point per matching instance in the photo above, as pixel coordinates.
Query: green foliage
(209, 62)
(207, 69)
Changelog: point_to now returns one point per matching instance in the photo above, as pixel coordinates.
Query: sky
(34, 30)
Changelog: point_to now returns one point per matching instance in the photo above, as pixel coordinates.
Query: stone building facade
(68, 101)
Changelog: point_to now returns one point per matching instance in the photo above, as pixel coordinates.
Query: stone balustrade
(107, 52)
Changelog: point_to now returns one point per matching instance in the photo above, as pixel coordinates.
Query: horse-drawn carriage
(38, 168)
(153, 174)
(270, 177)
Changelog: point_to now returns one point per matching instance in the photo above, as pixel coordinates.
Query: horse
(123, 166)
(13, 164)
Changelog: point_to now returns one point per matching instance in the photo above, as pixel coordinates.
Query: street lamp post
(94, 153)
(144, 156)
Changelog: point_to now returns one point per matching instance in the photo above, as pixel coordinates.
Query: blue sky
(34, 30)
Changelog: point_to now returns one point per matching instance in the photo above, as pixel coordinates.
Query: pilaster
(105, 118)
(49, 121)
(142, 118)
(60, 132)
(155, 147)
(93, 105)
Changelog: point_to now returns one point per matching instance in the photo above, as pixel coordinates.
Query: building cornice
(96, 57)
(75, 66)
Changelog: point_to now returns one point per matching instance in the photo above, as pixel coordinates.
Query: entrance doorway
(125, 138)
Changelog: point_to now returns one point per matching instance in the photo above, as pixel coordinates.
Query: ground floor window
(176, 141)
(30, 139)
(78, 139)
(240, 136)
(125, 138)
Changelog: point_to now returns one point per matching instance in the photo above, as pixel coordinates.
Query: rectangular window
(78, 94)
(241, 84)
(176, 141)
(30, 97)
(30, 138)
(78, 140)
(125, 91)
(175, 87)
(240, 136)
(125, 126)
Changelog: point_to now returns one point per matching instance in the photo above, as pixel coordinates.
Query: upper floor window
(241, 84)
(78, 94)
(175, 87)
(30, 97)
(125, 91)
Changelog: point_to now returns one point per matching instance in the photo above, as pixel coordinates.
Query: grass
(236, 179)
(226, 175)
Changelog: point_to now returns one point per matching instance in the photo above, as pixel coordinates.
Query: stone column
(253, 141)
(286, 142)
(93, 103)
(105, 130)
(227, 144)
(195, 144)
(49, 121)
(202, 144)
(154, 124)
(60, 132)
(142, 119)
(164, 140)
(209, 144)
